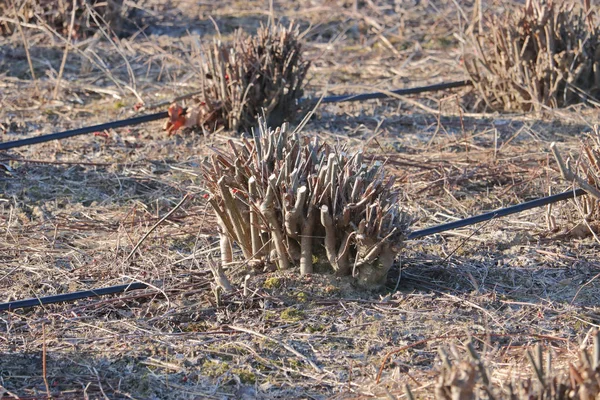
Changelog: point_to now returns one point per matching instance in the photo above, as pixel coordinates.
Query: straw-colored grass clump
(546, 54)
(292, 201)
(253, 75)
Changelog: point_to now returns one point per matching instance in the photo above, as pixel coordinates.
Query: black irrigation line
(399, 92)
(66, 297)
(84, 130)
(164, 114)
(502, 212)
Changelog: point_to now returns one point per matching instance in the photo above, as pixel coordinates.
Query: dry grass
(71, 212)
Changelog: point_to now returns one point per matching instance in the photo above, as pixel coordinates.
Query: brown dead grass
(70, 219)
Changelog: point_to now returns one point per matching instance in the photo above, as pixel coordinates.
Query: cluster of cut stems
(583, 170)
(293, 201)
(469, 378)
(544, 55)
(253, 75)
(57, 15)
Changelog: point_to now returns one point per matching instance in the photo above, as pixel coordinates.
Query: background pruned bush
(89, 14)
(544, 55)
(253, 75)
(470, 377)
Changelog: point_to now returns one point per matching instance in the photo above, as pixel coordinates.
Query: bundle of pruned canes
(470, 378)
(254, 75)
(546, 54)
(56, 14)
(583, 170)
(291, 201)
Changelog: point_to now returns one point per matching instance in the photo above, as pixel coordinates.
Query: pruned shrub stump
(252, 75)
(292, 201)
(546, 54)
(89, 15)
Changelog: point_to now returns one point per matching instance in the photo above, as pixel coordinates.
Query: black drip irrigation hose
(66, 297)
(502, 212)
(399, 92)
(84, 130)
(164, 114)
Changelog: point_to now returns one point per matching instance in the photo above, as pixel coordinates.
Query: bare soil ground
(72, 211)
